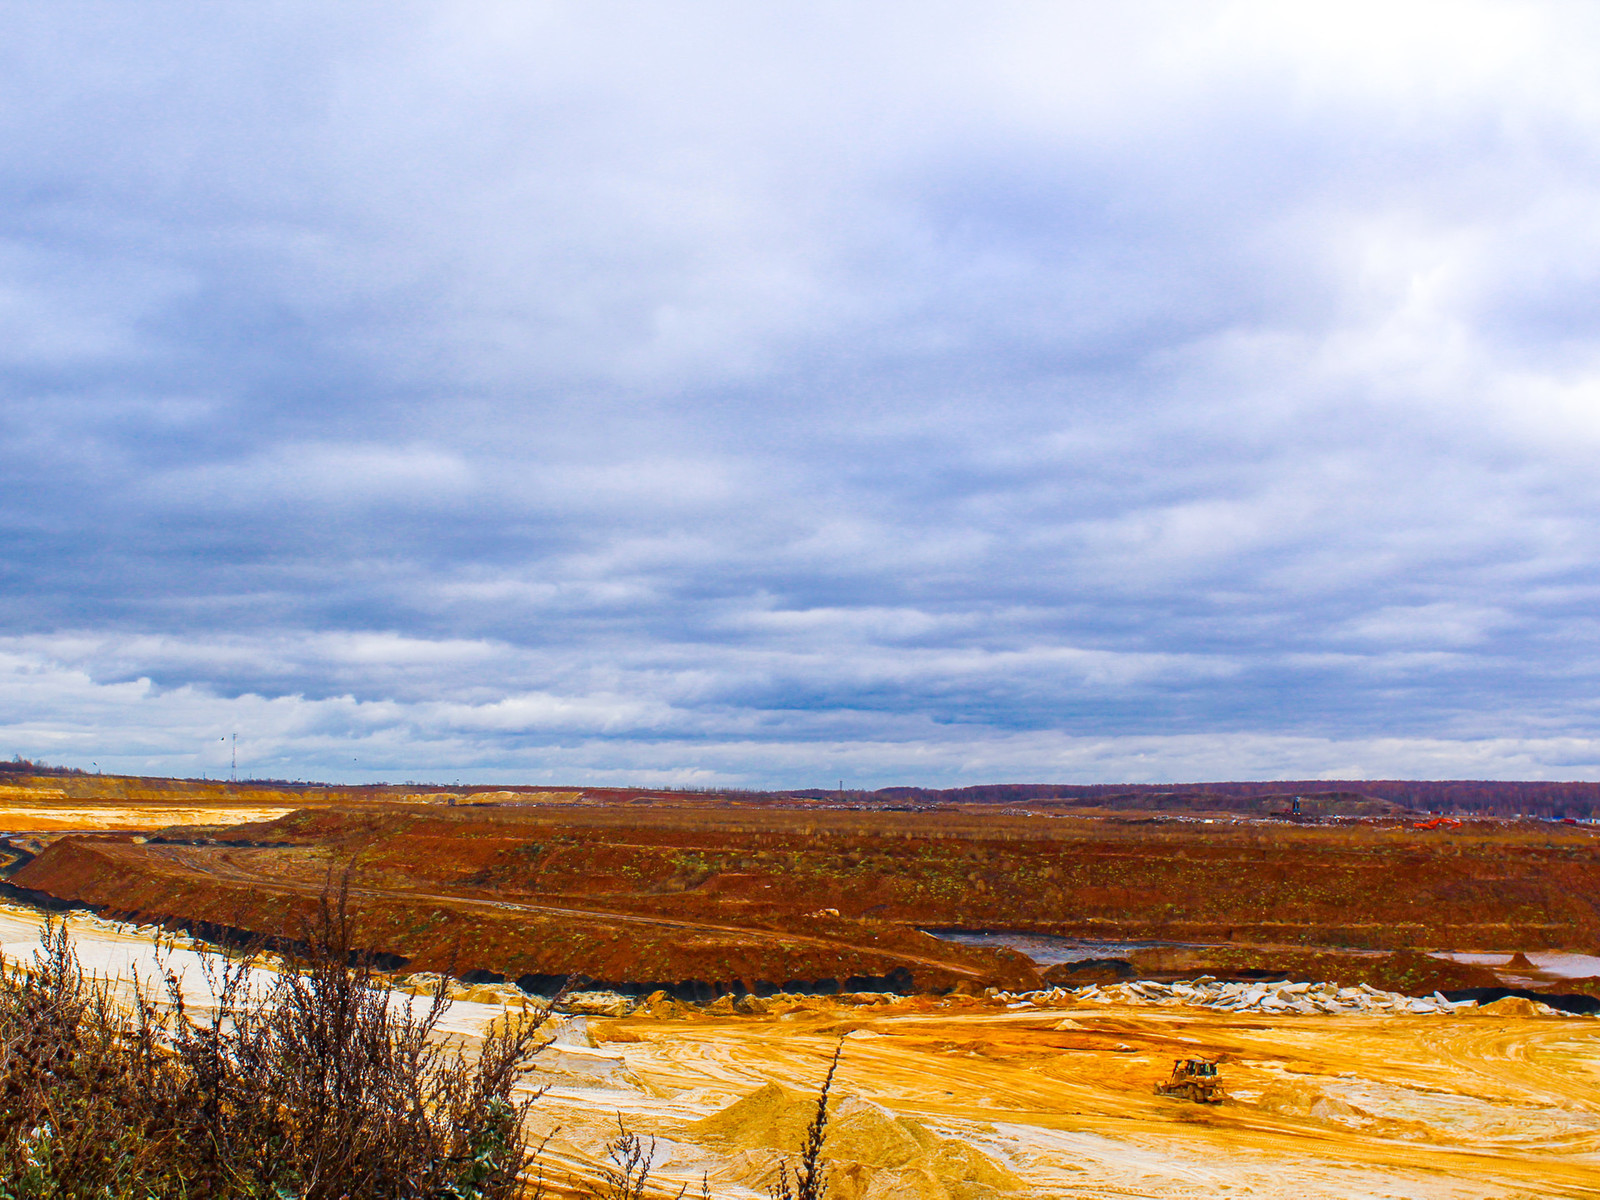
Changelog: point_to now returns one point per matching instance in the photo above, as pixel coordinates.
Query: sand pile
(876, 1154)
(597, 1004)
(425, 983)
(1299, 1098)
(1517, 1006)
(731, 1005)
(503, 994)
(662, 1007)
(1302, 1098)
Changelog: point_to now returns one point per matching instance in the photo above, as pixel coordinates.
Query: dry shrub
(626, 1172)
(318, 1088)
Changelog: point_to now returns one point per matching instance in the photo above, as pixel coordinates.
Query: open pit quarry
(1045, 1094)
(717, 956)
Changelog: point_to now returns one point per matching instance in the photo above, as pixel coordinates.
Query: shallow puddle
(1561, 964)
(1047, 950)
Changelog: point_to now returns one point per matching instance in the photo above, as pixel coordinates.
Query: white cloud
(1427, 624)
(319, 474)
(60, 714)
(1047, 388)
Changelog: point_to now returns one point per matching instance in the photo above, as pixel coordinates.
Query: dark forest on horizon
(1500, 798)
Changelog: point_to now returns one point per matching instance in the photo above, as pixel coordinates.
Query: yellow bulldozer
(1194, 1078)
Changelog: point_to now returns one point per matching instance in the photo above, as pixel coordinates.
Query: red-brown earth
(719, 890)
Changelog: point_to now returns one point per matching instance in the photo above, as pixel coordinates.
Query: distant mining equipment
(1292, 813)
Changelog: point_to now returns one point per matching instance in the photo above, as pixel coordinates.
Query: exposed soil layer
(747, 896)
(274, 891)
(962, 1098)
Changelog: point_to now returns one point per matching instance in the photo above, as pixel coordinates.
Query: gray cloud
(747, 395)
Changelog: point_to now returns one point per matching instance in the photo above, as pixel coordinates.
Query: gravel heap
(1276, 998)
(1302, 998)
(1307, 999)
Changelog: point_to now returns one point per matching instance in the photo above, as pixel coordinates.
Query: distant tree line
(23, 766)
(1490, 797)
(1486, 796)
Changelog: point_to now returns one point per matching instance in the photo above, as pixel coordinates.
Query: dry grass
(319, 1089)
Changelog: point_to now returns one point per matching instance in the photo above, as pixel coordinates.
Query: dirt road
(273, 889)
(244, 866)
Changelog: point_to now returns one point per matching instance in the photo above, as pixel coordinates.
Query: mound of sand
(662, 1007)
(1301, 1098)
(1514, 1006)
(729, 1005)
(490, 993)
(1298, 1098)
(875, 1153)
(598, 1004)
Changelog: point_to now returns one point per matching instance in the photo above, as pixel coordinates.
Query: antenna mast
(234, 766)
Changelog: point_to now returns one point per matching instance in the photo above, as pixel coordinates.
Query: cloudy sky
(774, 394)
